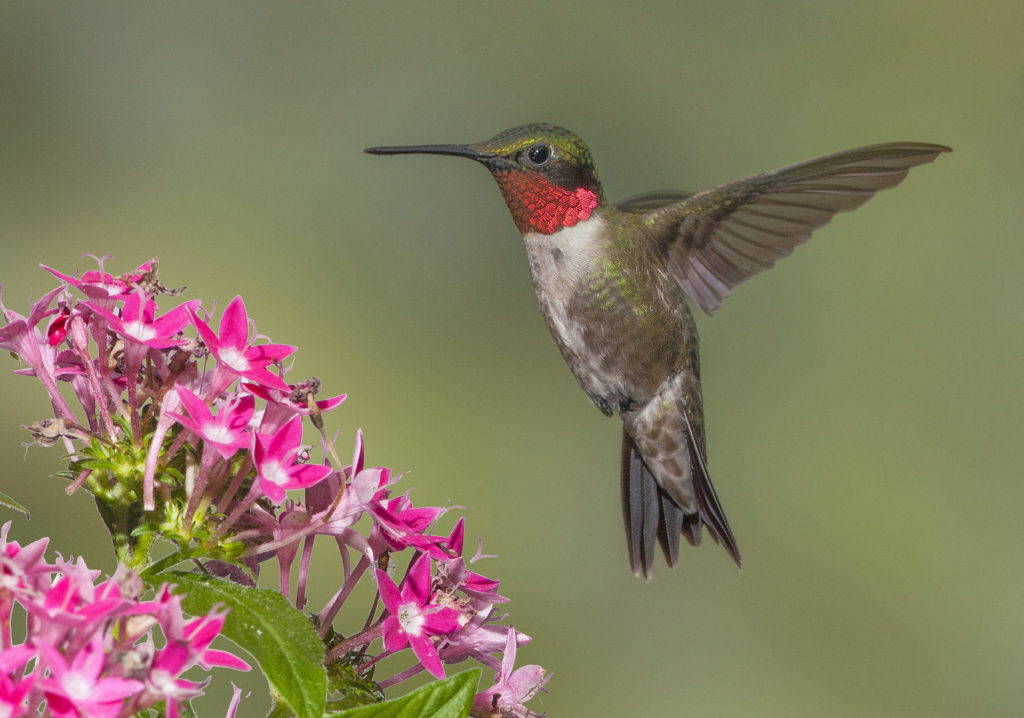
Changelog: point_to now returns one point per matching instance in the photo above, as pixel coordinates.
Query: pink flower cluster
(204, 429)
(89, 648)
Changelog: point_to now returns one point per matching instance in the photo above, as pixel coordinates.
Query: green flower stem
(163, 564)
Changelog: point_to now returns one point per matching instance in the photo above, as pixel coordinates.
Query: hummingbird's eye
(538, 154)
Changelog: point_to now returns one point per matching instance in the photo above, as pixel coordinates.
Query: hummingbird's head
(545, 174)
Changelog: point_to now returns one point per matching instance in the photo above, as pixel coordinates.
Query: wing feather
(723, 236)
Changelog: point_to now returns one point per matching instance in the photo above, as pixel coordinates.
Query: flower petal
(389, 594)
(425, 651)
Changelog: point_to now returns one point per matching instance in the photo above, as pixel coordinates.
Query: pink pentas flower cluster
(203, 428)
(89, 646)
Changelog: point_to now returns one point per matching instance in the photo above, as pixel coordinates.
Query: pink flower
(187, 646)
(98, 284)
(58, 327)
(73, 600)
(199, 634)
(414, 619)
(23, 571)
(78, 689)
(511, 689)
(138, 320)
(226, 432)
(462, 578)
(14, 688)
(232, 349)
(479, 639)
(21, 336)
(396, 524)
(162, 681)
(282, 405)
(275, 462)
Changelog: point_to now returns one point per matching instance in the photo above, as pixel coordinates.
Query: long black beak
(456, 150)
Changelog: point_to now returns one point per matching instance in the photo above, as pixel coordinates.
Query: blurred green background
(863, 398)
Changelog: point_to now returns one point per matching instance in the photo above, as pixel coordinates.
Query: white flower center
(139, 331)
(273, 472)
(411, 619)
(234, 359)
(77, 686)
(160, 679)
(219, 434)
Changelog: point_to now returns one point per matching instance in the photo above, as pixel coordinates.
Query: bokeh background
(863, 398)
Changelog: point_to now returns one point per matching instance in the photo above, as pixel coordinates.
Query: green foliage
(10, 503)
(275, 634)
(349, 689)
(450, 698)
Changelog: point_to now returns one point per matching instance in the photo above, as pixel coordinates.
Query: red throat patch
(539, 206)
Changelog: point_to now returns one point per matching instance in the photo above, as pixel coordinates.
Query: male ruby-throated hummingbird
(613, 282)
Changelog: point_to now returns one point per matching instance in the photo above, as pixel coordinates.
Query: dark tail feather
(691, 527)
(672, 524)
(650, 514)
(708, 506)
(639, 509)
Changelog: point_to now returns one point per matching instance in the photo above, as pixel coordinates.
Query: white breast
(560, 263)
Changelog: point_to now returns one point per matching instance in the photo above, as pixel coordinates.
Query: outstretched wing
(724, 236)
(651, 201)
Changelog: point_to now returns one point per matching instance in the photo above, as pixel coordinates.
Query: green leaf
(266, 625)
(450, 698)
(10, 503)
(347, 688)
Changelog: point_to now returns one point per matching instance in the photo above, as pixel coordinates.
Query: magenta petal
(134, 304)
(333, 402)
(508, 658)
(234, 325)
(417, 582)
(73, 281)
(267, 378)
(115, 321)
(286, 440)
(242, 412)
(455, 539)
(108, 690)
(196, 407)
(208, 335)
(40, 308)
(213, 657)
(175, 320)
(420, 518)
(443, 621)
(272, 491)
(305, 475)
(52, 659)
(260, 449)
(173, 658)
(266, 353)
(200, 632)
(261, 391)
(389, 594)
(357, 454)
(15, 657)
(526, 681)
(394, 638)
(425, 651)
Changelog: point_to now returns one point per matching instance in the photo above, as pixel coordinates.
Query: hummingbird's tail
(652, 516)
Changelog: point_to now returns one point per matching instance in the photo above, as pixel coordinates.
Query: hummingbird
(614, 283)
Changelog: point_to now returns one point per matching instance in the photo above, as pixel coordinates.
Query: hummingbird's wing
(723, 236)
(651, 201)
